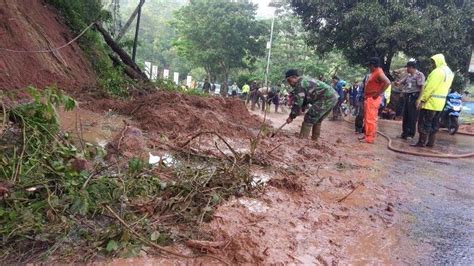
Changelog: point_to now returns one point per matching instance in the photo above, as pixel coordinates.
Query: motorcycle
(451, 113)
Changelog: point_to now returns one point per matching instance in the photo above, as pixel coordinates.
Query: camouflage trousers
(320, 110)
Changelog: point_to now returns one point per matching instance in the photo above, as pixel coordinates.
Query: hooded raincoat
(433, 95)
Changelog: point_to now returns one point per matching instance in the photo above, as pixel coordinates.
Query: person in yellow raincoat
(432, 100)
(387, 94)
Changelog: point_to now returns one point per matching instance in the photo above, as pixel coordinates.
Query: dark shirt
(253, 87)
(206, 86)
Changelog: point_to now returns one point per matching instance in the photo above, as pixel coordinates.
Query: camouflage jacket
(309, 91)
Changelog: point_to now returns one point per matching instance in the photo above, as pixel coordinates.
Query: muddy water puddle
(91, 127)
(165, 158)
(381, 248)
(254, 205)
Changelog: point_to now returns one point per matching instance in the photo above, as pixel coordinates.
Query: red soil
(33, 25)
(174, 114)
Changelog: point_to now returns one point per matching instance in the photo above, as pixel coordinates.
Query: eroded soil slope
(33, 25)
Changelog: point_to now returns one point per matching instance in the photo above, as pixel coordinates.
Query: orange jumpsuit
(372, 100)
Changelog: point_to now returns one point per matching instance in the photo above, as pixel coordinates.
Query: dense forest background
(224, 40)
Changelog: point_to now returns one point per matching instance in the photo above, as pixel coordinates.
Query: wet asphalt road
(437, 197)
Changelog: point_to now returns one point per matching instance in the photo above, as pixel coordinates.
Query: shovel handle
(282, 126)
(278, 130)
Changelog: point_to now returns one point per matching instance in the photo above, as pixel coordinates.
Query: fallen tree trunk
(127, 69)
(126, 59)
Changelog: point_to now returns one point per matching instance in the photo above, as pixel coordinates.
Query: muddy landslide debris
(174, 114)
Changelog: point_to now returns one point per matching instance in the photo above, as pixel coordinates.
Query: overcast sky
(264, 11)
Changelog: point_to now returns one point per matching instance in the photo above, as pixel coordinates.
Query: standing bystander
(432, 100)
(376, 84)
(411, 88)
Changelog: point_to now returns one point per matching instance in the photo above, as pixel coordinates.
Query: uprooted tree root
(48, 210)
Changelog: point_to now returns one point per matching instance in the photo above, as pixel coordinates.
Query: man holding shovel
(320, 95)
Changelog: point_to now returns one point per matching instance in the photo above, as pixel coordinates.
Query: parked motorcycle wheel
(453, 125)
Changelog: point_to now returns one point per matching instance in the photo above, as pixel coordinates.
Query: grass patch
(168, 85)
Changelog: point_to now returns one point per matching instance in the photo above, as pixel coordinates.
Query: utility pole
(277, 4)
(269, 51)
(135, 41)
(124, 29)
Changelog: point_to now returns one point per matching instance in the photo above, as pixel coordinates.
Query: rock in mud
(129, 143)
(80, 164)
(286, 183)
(4, 190)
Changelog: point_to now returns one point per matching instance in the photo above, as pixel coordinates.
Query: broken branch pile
(51, 209)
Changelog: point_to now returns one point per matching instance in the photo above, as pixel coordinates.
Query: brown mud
(297, 218)
(92, 127)
(466, 129)
(309, 225)
(34, 25)
(338, 201)
(177, 115)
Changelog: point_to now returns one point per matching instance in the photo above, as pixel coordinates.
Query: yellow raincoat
(387, 94)
(246, 88)
(434, 93)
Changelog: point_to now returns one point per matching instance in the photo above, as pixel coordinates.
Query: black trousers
(336, 111)
(359, 120)
(410, 114)
(428, 121)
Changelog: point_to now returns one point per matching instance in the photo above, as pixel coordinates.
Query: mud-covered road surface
(433, 197)
(438, 199)
(342, 202)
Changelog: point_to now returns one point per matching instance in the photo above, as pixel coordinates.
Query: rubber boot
(316, 131)
(305, 130)
(431, 140)
(421, 141)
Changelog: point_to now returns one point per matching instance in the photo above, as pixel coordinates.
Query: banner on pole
(189, 81)
(148, 69)
(176, 78)
(166, 73)
(154, 73)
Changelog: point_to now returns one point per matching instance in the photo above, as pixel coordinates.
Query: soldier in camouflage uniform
(320, 95)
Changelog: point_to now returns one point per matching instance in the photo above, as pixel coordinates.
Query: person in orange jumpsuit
(375, 85)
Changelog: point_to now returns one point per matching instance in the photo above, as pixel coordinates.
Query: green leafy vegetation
(156, 34)
(420, 29)
(219, 35)
(78, 15)
(290, 50)
(168, 85)
(55, 199)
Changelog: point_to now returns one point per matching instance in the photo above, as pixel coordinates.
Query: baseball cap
(291, 73)
(411, 64)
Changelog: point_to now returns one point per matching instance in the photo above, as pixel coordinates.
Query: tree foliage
(156, 34)
(290, 50)
(219, 35)
(361, 29)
